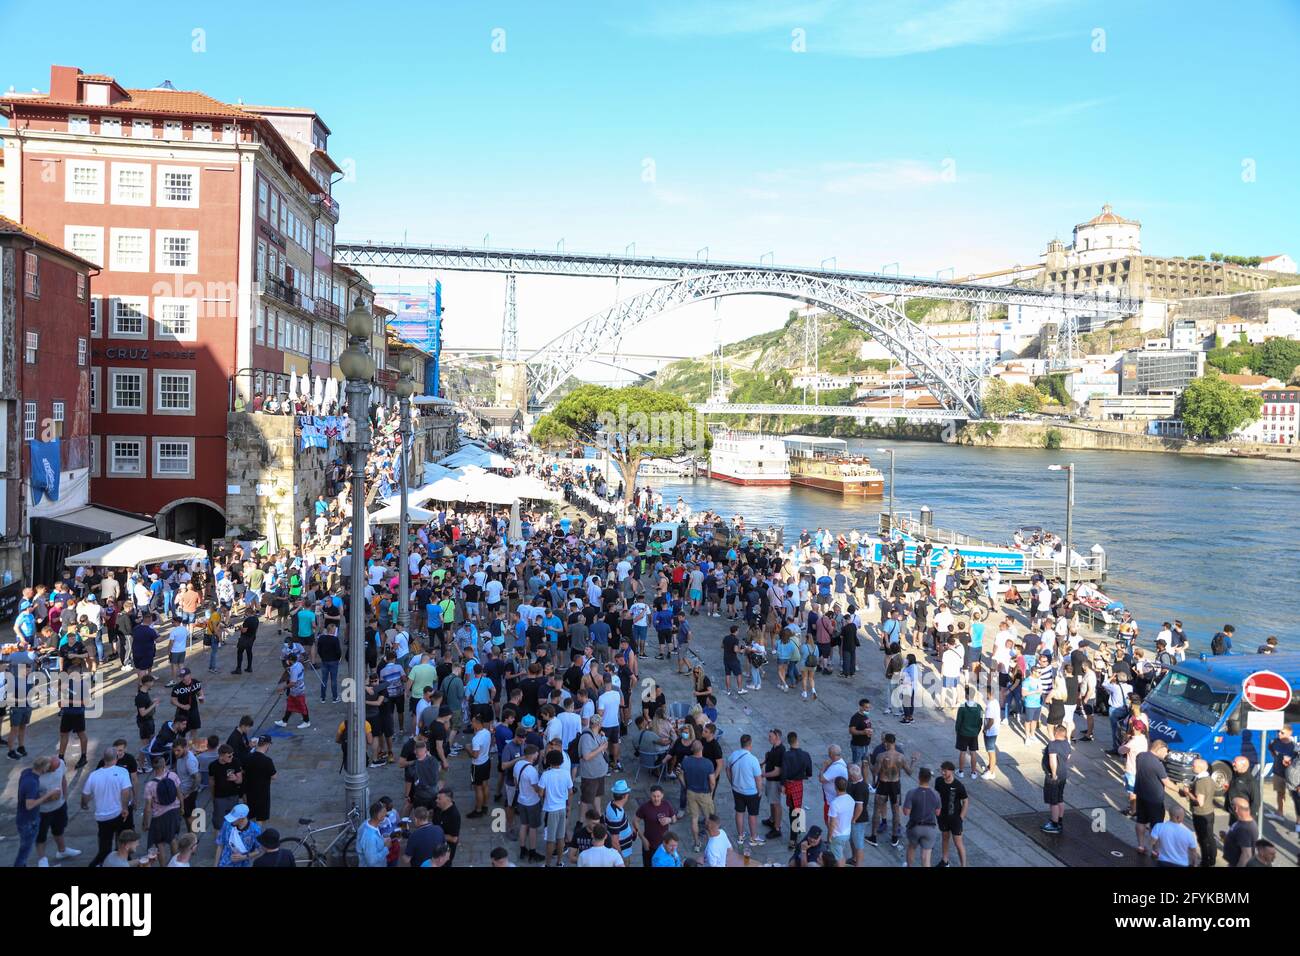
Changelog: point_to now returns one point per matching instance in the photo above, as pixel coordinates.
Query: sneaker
(961, 775)
(281, 723)
(894, 843)
(741, 692)
(377, 763)
(43, 861)
(22, 751)
(803, 694)
(237, 671)
(338, 700)
(13, 755)
(304, 725)
(872, 841)
(618, 767)
(1050, 827)
(989, 775)
(942, 863)
(756, 841)
(67, 854)
(536, 857)
(81, 763)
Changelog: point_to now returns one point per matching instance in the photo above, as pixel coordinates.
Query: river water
(1208, 541)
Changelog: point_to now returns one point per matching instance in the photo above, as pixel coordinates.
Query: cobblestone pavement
(308, 784)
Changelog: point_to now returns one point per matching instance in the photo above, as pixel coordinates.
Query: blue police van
(1199, 710)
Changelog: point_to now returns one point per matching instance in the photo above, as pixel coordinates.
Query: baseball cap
(238, 812)
(529, 721)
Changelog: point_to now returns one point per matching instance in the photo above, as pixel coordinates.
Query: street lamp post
(405, 388)
(890, 453)
(1069, 518)
(359, 369)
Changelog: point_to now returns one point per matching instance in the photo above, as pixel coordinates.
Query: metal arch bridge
(948, 378)
(371, 254)
(860, 412)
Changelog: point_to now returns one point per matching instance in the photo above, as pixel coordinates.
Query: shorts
(480, 772)
(839, 848)
(592, 788)
(923, 837)
(20, 716)
(1130, 782)
(145, 726)
(824, 651)
(639, 632)
(858, 835)
(967, 744)
(698, 804)
(890, 789)
(529, 815)
(665, 637)
(747, 803)
(556, 825)
(611, 734)
(972, 655)
(165, 827)
(307, 642)
(731, 665)
(695, 594)
(950, 824)
(774, 791)
(1279, 780)
(991, 743)
(72, 723)
(176, 658)
(950, 682)
(1150, 812)
(54, 822)
(1053, 791)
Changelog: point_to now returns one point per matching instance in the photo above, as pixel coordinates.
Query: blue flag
(46, 461)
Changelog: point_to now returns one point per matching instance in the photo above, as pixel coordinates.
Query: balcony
(279, 289)
(327, 310)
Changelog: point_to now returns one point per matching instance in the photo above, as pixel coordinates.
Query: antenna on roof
(165, 85)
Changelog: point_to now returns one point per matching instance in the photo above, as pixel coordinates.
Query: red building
(44, 386)
(213, 225)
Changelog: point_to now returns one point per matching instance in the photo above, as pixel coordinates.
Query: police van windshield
(1190, 699)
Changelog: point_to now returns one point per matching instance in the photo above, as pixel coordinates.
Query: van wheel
(1221, 774)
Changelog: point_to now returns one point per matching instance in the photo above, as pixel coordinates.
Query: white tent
(133, 551)
(392, 514)
(432, 472)
(479, 457)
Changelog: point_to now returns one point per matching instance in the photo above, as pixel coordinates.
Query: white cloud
(863, 28)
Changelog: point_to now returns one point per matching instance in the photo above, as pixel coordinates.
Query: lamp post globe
(360, 323)
(356, 365)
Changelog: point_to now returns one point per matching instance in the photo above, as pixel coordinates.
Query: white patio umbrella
(392, 514)
(331, 391)
(293, 386)
(516, 526)
(318, 393)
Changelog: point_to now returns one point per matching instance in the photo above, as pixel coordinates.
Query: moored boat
(825, 463)
(748, 458)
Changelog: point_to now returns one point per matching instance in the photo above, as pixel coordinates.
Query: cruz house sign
(142, 354)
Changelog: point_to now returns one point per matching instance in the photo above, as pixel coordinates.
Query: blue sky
(956, 133)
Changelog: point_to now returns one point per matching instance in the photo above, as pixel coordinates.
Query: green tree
(1052, 439)
(1027, 398)
(1231, 360)
(1216, 256)
(997, 400)
(549, 432)
(636, 422)
(1212, 407)
(1277, 358)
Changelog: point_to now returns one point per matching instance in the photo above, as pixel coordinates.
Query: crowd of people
(523, 684)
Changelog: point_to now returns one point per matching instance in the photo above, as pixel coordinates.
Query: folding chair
(650, 760)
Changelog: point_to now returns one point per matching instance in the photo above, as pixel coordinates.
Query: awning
(134, 551)
(89, 525)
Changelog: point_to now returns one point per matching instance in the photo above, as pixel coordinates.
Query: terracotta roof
(9, 227)
(1107, 216)
(1263, 259)
(1248, 381)
(177, 102)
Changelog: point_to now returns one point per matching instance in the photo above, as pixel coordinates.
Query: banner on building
(46, 466)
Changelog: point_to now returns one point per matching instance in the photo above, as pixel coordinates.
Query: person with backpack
(162, 820)
(1221, 643)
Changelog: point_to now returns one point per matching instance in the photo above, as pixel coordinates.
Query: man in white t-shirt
(833, 769)
(608, 707)
(1175, 844)
(839, 821)
(718, 845)
(492, 592)
(480, 753)
(179, 642)
(623, 568)
(992, 724)
(598, 854)
(555, 786)
(110, 789)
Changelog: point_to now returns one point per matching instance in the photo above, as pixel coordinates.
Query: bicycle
(307, 849)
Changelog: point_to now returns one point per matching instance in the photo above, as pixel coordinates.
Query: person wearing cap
(237, 843)
(272, 854)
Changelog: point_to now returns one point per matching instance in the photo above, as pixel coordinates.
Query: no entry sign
(1265, 690)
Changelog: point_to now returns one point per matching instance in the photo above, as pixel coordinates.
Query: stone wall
(1123, 436)
(1249, 306)
(269, 477)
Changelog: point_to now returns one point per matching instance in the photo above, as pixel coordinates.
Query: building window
(201, 132)
(85, 241)
(179, 186)
(142, 128)
(94, 389)
(262, 197)
(129, 250)
(176, 319)
(29, 421)
(127, 317)
(261, 260)
(259, 320)
(81, 286)
(31, 275)
(31, 347)
(110, 126)
(57, 415)
(171, 129)
(125, 390)
(176, 251)
(94, 456)
(82, 351)
(173, 457)
(130, 184)
(229, 133)
(96, 316)
(284, 218)
(79, 124)
(257, 381)
(173, 392)
(275, 208)
(126, 456)
(85, 182)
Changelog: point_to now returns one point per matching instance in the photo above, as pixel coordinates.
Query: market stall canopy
(391, 514)
(480, 457)
(433, 471)
(133, 551)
